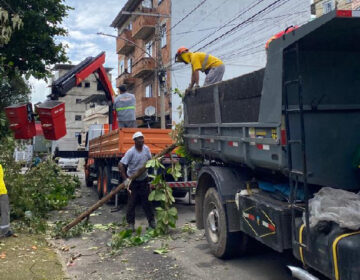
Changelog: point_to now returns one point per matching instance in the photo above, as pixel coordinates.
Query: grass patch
(28, 257)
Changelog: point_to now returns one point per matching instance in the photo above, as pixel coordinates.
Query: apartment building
(137, 51)
(204, 26)
(75, 107)
(321, 7)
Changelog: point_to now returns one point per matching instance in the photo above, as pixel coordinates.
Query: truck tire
(89, 182)
(223, 244)
(99, 182)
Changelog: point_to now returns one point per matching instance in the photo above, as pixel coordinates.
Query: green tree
(33, 47)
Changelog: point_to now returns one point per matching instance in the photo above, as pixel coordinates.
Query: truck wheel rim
(213, 225)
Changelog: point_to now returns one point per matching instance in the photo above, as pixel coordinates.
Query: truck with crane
(105, 145)
(271, 139)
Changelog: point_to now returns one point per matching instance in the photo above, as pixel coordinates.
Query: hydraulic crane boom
(80, 72)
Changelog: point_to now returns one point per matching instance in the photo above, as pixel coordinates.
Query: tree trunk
(113, 192)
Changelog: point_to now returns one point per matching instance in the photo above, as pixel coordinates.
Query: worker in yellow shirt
(212, 66)
(5, 230)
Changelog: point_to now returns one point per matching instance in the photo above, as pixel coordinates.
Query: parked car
(69, 164)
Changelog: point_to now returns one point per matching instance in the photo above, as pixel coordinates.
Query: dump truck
(271, 139)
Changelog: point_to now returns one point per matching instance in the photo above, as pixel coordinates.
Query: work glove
(127, 183)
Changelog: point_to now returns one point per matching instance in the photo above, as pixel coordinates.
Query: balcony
(123, 43)
(125, 78)
(144, 67)
(144, 26)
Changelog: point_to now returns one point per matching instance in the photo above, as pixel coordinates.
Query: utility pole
(160, 72)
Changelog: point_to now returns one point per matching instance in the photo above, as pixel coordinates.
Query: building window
(147, 4)
(328, 6)
(129, 65)
(163, 35)
(79, 85)
(99, 86)
(148, 91)
(78, 101)
(148, 47)
(129, 26)
(77, 117)
(121, 67)
(87, 84)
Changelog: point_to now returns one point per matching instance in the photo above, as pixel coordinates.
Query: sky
(82, 24)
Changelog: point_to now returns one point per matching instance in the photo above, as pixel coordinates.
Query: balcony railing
(144, 67)
(125, 78)
(125, 42)
(144, 26)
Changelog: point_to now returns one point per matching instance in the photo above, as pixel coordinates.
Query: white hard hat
(137, 134)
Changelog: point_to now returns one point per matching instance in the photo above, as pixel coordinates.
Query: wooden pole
(113, 192)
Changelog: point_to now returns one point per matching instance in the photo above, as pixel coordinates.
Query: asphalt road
(188, 257)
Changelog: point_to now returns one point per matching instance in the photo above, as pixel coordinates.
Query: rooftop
(120, 19)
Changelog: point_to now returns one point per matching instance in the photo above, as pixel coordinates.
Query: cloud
(82, 24)
(81, 36)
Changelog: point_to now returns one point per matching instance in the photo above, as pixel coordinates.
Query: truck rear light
(344, 13)
(283, 137)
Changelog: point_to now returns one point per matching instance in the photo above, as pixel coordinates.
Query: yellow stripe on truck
(334, 249)
(301, 230)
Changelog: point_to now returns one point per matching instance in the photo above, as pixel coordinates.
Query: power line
(237, 26)
(242, 12)
(188, 14)
(253, 31)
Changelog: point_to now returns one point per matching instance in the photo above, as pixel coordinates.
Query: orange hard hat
(179, 52)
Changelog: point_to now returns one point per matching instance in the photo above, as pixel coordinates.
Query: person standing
(124, 105)
(212, 66)
(5, 230)
(138, 189)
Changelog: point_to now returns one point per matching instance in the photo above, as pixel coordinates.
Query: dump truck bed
(116, 143)
(252, 120)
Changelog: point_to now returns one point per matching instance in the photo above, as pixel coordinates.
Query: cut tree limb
(113, 192)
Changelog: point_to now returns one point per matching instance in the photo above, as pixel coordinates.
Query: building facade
(137, 47)
(321, 7)
(75, 108)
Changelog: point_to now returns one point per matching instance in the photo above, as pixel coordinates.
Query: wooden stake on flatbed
(113, 192)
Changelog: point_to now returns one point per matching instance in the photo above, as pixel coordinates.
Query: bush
(40, 190)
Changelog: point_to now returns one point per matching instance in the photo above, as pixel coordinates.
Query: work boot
(152, 224)
(131, 227)
(9, 233)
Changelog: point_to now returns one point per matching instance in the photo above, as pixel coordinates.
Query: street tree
(33, 48)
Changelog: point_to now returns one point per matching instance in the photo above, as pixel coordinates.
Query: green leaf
(173, 211)
(161, 251)
(159, 196)
(152, 196)
(139, 230)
